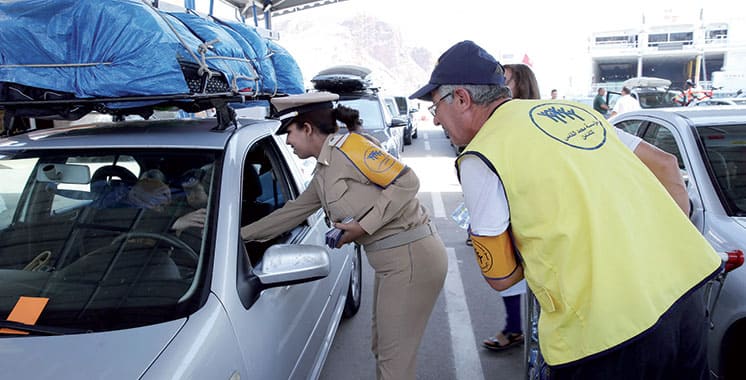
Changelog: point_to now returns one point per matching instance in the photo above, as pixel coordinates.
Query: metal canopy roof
(280, 7)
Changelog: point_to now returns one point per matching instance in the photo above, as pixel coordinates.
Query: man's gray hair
(481, 94)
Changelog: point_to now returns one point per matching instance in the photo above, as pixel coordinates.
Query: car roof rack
(144, 106)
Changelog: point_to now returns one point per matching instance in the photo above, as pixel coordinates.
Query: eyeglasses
(434, 108)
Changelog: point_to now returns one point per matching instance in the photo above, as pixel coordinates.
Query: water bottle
(461, 216)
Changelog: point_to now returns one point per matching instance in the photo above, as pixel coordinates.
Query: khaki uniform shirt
(342, 190)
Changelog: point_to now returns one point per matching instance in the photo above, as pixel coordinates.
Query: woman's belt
(402, 238)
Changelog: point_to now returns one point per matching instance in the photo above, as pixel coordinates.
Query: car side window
(266, 185)
(630, 126)
(663, 138)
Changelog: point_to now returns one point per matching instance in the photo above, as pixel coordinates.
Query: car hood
(121, 354)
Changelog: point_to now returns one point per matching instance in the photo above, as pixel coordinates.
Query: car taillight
(732, 259)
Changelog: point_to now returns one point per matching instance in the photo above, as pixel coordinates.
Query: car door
(282, 331)
(667, 137)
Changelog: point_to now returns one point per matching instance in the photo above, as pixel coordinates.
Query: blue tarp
(94, 48)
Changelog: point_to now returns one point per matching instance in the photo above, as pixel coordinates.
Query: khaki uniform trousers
(408, 280)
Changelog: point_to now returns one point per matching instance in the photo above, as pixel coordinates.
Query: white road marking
(439, 211)
(427, 145)
(463, 345)
(426, 135)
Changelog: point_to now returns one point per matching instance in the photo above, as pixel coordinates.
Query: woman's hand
(352, 231)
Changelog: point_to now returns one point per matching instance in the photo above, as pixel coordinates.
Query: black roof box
(343, 78)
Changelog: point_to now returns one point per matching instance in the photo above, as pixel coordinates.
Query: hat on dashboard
(287, 108)
(463, 63)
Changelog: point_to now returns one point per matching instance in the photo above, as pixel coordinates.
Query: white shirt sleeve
(484, 196)
(631, 141)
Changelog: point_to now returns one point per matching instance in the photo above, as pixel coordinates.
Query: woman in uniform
(355, 178)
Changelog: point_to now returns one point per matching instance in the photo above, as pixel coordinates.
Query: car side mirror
(287, 264)
(398, 122)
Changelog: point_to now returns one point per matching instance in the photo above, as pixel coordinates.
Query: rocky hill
(397, 64)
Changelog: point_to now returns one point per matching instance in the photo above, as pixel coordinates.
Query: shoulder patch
(376, 164)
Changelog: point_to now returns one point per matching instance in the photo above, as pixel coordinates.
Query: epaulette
(376, 164)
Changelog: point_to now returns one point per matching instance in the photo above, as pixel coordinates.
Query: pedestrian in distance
(400, 241)
(625, 103)
(599, 102)
(523, 85)
(553, 93)
(590, 255)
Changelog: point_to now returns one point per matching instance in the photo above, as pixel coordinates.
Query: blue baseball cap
(463, 63)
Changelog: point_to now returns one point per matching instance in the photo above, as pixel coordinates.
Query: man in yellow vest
(597, 230)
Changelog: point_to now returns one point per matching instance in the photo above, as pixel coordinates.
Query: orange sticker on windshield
(27, 310)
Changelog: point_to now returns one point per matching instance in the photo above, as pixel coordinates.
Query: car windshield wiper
(38, 330)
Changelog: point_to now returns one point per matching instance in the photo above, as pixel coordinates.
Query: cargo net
(209, 83)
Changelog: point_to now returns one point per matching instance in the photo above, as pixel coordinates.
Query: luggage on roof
(83, 49)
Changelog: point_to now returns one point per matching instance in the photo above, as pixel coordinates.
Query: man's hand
(192, 219)
(352, 231)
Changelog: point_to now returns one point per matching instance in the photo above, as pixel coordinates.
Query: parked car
(119, 292)
(402, 108)
(356, 90)
(720, 102)
(650, 92)
(710, 144)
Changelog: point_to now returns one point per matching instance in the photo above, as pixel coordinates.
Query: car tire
(414, 135)
(408, 136)
(731, 357)
(355, 289)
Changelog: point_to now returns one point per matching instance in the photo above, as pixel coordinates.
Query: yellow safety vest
(606, 250)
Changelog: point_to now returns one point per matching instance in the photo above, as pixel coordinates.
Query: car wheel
(732, 367)
(414, 135)
(354, 291)
(408, 136)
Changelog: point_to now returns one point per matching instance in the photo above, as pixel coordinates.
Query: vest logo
(569, 124)
(378, 162)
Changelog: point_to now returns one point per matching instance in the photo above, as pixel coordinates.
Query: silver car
(100, 280)
(710, 144)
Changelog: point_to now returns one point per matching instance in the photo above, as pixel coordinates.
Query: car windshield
(99, 235)
(725, 148)
(370, 112)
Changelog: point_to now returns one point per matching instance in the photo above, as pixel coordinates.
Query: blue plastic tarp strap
(221, 51)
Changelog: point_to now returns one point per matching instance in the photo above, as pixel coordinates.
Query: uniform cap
(288, 107)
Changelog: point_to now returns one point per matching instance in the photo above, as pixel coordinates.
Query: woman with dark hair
(522, 82)
(355, 178)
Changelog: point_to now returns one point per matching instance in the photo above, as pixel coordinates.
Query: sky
(554, 34)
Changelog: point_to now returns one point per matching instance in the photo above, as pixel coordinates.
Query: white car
(710, 144)
(720, 102)
(116, 291)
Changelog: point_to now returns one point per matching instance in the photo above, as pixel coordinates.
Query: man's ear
(461, 96)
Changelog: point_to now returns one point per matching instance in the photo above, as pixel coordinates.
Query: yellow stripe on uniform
(376, 164)
(495, 255)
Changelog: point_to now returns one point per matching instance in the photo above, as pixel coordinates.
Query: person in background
(523, 85)
(625, 103)
(195, 184)
(599, 102)
(591, 257)
(400, 241)
(553, 93)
